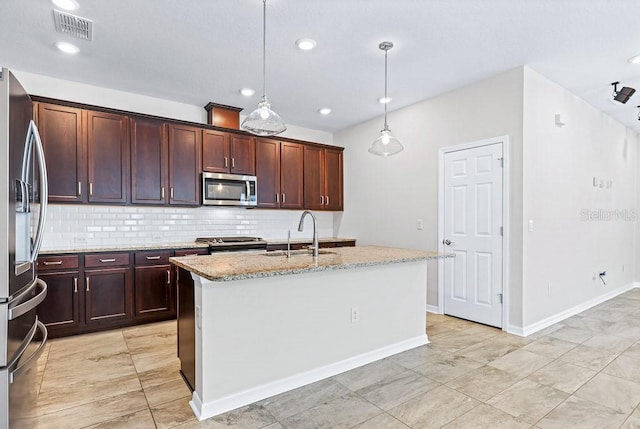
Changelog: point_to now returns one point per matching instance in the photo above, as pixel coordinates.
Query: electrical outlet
(198, 318)
(419, 224)
(355, 314)
(80, 240)
(549, 289)
(156, 238)
(623, 268)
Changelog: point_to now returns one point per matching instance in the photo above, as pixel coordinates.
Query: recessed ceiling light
(635, 60)
(67, 48)
(306, 44)
(324, 111)
(247, 92)
(66, 4)
(384, 100)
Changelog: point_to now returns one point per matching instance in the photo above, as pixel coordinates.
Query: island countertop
(230, 266)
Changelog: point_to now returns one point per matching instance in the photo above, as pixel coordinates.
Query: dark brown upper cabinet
(184, 164)
(108, 157)
(149, 162)
(63, 140)
(322, 178)
(228, 153)
(279, 168)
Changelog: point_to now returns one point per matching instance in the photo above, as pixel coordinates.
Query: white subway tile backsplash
(114, 225)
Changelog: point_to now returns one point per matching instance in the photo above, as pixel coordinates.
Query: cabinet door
(333, 181)
(216, 156)
(148, 161)
(184, 165)
(243, 155)
(268, 172)
(108, 296)
(314, 189)
(60, 308)
(61, 132)
(153, 292)
(108, 157)
(291, 175)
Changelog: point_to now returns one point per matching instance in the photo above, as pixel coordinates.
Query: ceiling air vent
(72, 25)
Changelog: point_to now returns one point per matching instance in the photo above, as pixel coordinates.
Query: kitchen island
(268, 323)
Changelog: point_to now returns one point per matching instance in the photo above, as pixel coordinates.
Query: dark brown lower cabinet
(60, 309)
(108, 295)
(186, 327)
(153, 291)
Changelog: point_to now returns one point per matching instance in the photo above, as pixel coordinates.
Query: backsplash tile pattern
(91, 226)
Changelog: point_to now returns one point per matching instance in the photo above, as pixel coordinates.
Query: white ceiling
(196, 51)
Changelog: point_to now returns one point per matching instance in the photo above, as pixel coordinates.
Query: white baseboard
(559, 317)
(205, 410)
(433, 309)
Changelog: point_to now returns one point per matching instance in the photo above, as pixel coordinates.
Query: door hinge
(500, 297)
(501, 231)
(501, 162)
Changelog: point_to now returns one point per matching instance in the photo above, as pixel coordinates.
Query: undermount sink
(307, 252)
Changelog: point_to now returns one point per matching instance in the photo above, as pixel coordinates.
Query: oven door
(229, 190)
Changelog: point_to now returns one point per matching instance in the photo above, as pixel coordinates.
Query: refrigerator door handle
(22, 308)
(14, 369)
(44, 189)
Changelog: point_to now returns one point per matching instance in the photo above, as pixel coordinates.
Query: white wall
(565, 249)
(385, 195)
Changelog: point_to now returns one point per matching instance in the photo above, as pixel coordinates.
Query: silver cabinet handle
(226, 161)
(322, 200)
(233, 163)
(327, 197)
(91, 189)
(87, 279)
(52, 262)
(171, 192)
(75, 285)
(108, 260)
(153, 258)
(162, 192)
(168, 277)
(79, 189)
(277, 198)
(284, 198)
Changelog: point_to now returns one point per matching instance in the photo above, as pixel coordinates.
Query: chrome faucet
(315, 230)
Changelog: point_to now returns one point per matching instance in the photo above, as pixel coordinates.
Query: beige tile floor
(581, 373)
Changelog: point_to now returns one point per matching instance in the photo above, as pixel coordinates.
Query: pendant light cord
(264, 49)
(386, 99)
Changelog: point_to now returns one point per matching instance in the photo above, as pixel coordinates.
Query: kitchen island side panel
(260, 337)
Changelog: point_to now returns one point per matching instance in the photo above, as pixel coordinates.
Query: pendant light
(386, 144)
(263, 121)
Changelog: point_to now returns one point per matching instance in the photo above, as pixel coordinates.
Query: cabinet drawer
(152, 258)
(49, 263)
(191, 252)
(106, 260)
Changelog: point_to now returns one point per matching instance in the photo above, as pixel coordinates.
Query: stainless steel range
(233, 244)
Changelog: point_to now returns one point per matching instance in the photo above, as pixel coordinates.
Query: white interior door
(473, 231)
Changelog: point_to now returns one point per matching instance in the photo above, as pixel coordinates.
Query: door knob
(447, 242)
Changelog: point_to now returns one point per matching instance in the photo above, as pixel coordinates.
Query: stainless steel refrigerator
(23, 210)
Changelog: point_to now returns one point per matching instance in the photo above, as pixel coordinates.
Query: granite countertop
(226, 267)
(123, 248)
(309, 240)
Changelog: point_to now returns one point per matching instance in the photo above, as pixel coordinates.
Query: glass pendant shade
(263, 121)
(386, 144)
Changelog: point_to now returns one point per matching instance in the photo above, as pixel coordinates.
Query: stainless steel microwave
(229, 190)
